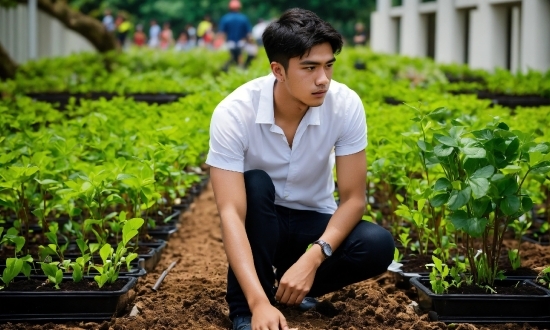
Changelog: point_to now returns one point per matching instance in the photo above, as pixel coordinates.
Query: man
(204, 27)
(236, 28)
(154, 34)
(273, 144)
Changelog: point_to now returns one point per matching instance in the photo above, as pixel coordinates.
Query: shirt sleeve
(354, 136)
(227, 141)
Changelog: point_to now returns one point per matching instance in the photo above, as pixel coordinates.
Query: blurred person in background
(166, 36)
(123, 27)
(204, 27)
(140, 39)
(236, 28)
(109, 21)
(360, 36)
(258, 30)
(192, 34)
(274, 142)
(183, 43)
(154, 34)
(251, 51)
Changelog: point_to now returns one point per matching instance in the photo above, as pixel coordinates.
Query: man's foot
(308, 303)
(242, 322)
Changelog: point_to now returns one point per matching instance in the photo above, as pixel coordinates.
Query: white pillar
(535, 35)
(515, 39)
(32, 8)
(381, 28)
(450, 33)
(413, 40)
(481, 34)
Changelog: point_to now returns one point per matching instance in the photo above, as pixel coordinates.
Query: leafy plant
(114, 259)
(482, 185)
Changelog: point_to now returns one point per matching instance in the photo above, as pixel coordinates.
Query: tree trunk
(7, 65)
(87, 26)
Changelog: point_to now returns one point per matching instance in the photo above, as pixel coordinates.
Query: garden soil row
(192, 295)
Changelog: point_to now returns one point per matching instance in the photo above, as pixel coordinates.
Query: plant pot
(55, 306)
(162, 232)
(401, 278)
(136, 271)
(484, 308)
(151, 259)
(513, 101)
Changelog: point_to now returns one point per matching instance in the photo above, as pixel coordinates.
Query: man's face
(307, 79)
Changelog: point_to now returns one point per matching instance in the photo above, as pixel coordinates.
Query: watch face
(327, 250)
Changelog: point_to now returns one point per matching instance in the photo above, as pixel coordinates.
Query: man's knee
(375, 245)
(258, 183)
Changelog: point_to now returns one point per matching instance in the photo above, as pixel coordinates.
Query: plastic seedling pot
(152, 258)
(162, 232)
(484, 308)
(58, 306)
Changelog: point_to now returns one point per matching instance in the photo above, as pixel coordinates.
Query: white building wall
(53, 39)
(502, 33)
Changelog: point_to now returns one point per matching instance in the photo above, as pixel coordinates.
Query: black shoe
(308, 303)
(242, 322)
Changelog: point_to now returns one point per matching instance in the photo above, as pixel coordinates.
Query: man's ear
(278, 71)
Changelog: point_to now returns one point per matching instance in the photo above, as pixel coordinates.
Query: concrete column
(515, 39)
(481, 36)
(449, 33)
(33, 44)
(413, 39)
(381, 27)
(535, 40)
(10, 42)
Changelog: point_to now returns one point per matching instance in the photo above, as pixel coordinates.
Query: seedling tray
(58, 306)
(484, 308)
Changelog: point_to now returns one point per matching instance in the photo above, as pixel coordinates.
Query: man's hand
(298, 279)
(267, 317)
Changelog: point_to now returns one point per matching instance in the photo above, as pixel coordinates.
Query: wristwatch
(325, 247)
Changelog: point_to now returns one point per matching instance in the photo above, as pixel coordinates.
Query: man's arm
(351, 174)
(230, 194)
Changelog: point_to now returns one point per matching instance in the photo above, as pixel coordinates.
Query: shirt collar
(265, 107)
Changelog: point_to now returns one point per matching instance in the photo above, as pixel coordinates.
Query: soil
(192, 295)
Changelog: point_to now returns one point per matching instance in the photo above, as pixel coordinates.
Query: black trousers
(279, 235)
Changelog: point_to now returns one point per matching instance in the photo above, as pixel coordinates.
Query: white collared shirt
(244, 136)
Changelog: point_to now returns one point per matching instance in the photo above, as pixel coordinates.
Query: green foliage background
(342, 14)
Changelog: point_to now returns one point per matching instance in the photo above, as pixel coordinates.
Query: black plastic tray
(56, 306)
(484, 308)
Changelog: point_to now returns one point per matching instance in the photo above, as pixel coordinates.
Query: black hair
(295, 33)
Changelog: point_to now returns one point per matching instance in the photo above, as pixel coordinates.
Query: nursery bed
(192, 295)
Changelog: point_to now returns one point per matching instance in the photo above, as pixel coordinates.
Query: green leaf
(541, 168)
(484, 134)
(446, 140)
(476, 226)
(512, 149)
(484, 172)
(426, 147)
(459, 198)
(526, 203)
(439, 200)
(459, 219)
(474, 152)
(441, 150)
(510, 205)
(479, 206)
(507, 186)
(480, 187)
(442, 184)
(105, 252)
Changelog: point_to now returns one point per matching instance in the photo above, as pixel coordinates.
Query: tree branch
(87, 26)
(7, 65)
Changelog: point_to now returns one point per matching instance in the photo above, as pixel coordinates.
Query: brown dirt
(192, 295)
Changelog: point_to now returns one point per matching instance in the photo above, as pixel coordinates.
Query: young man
(273, 144)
